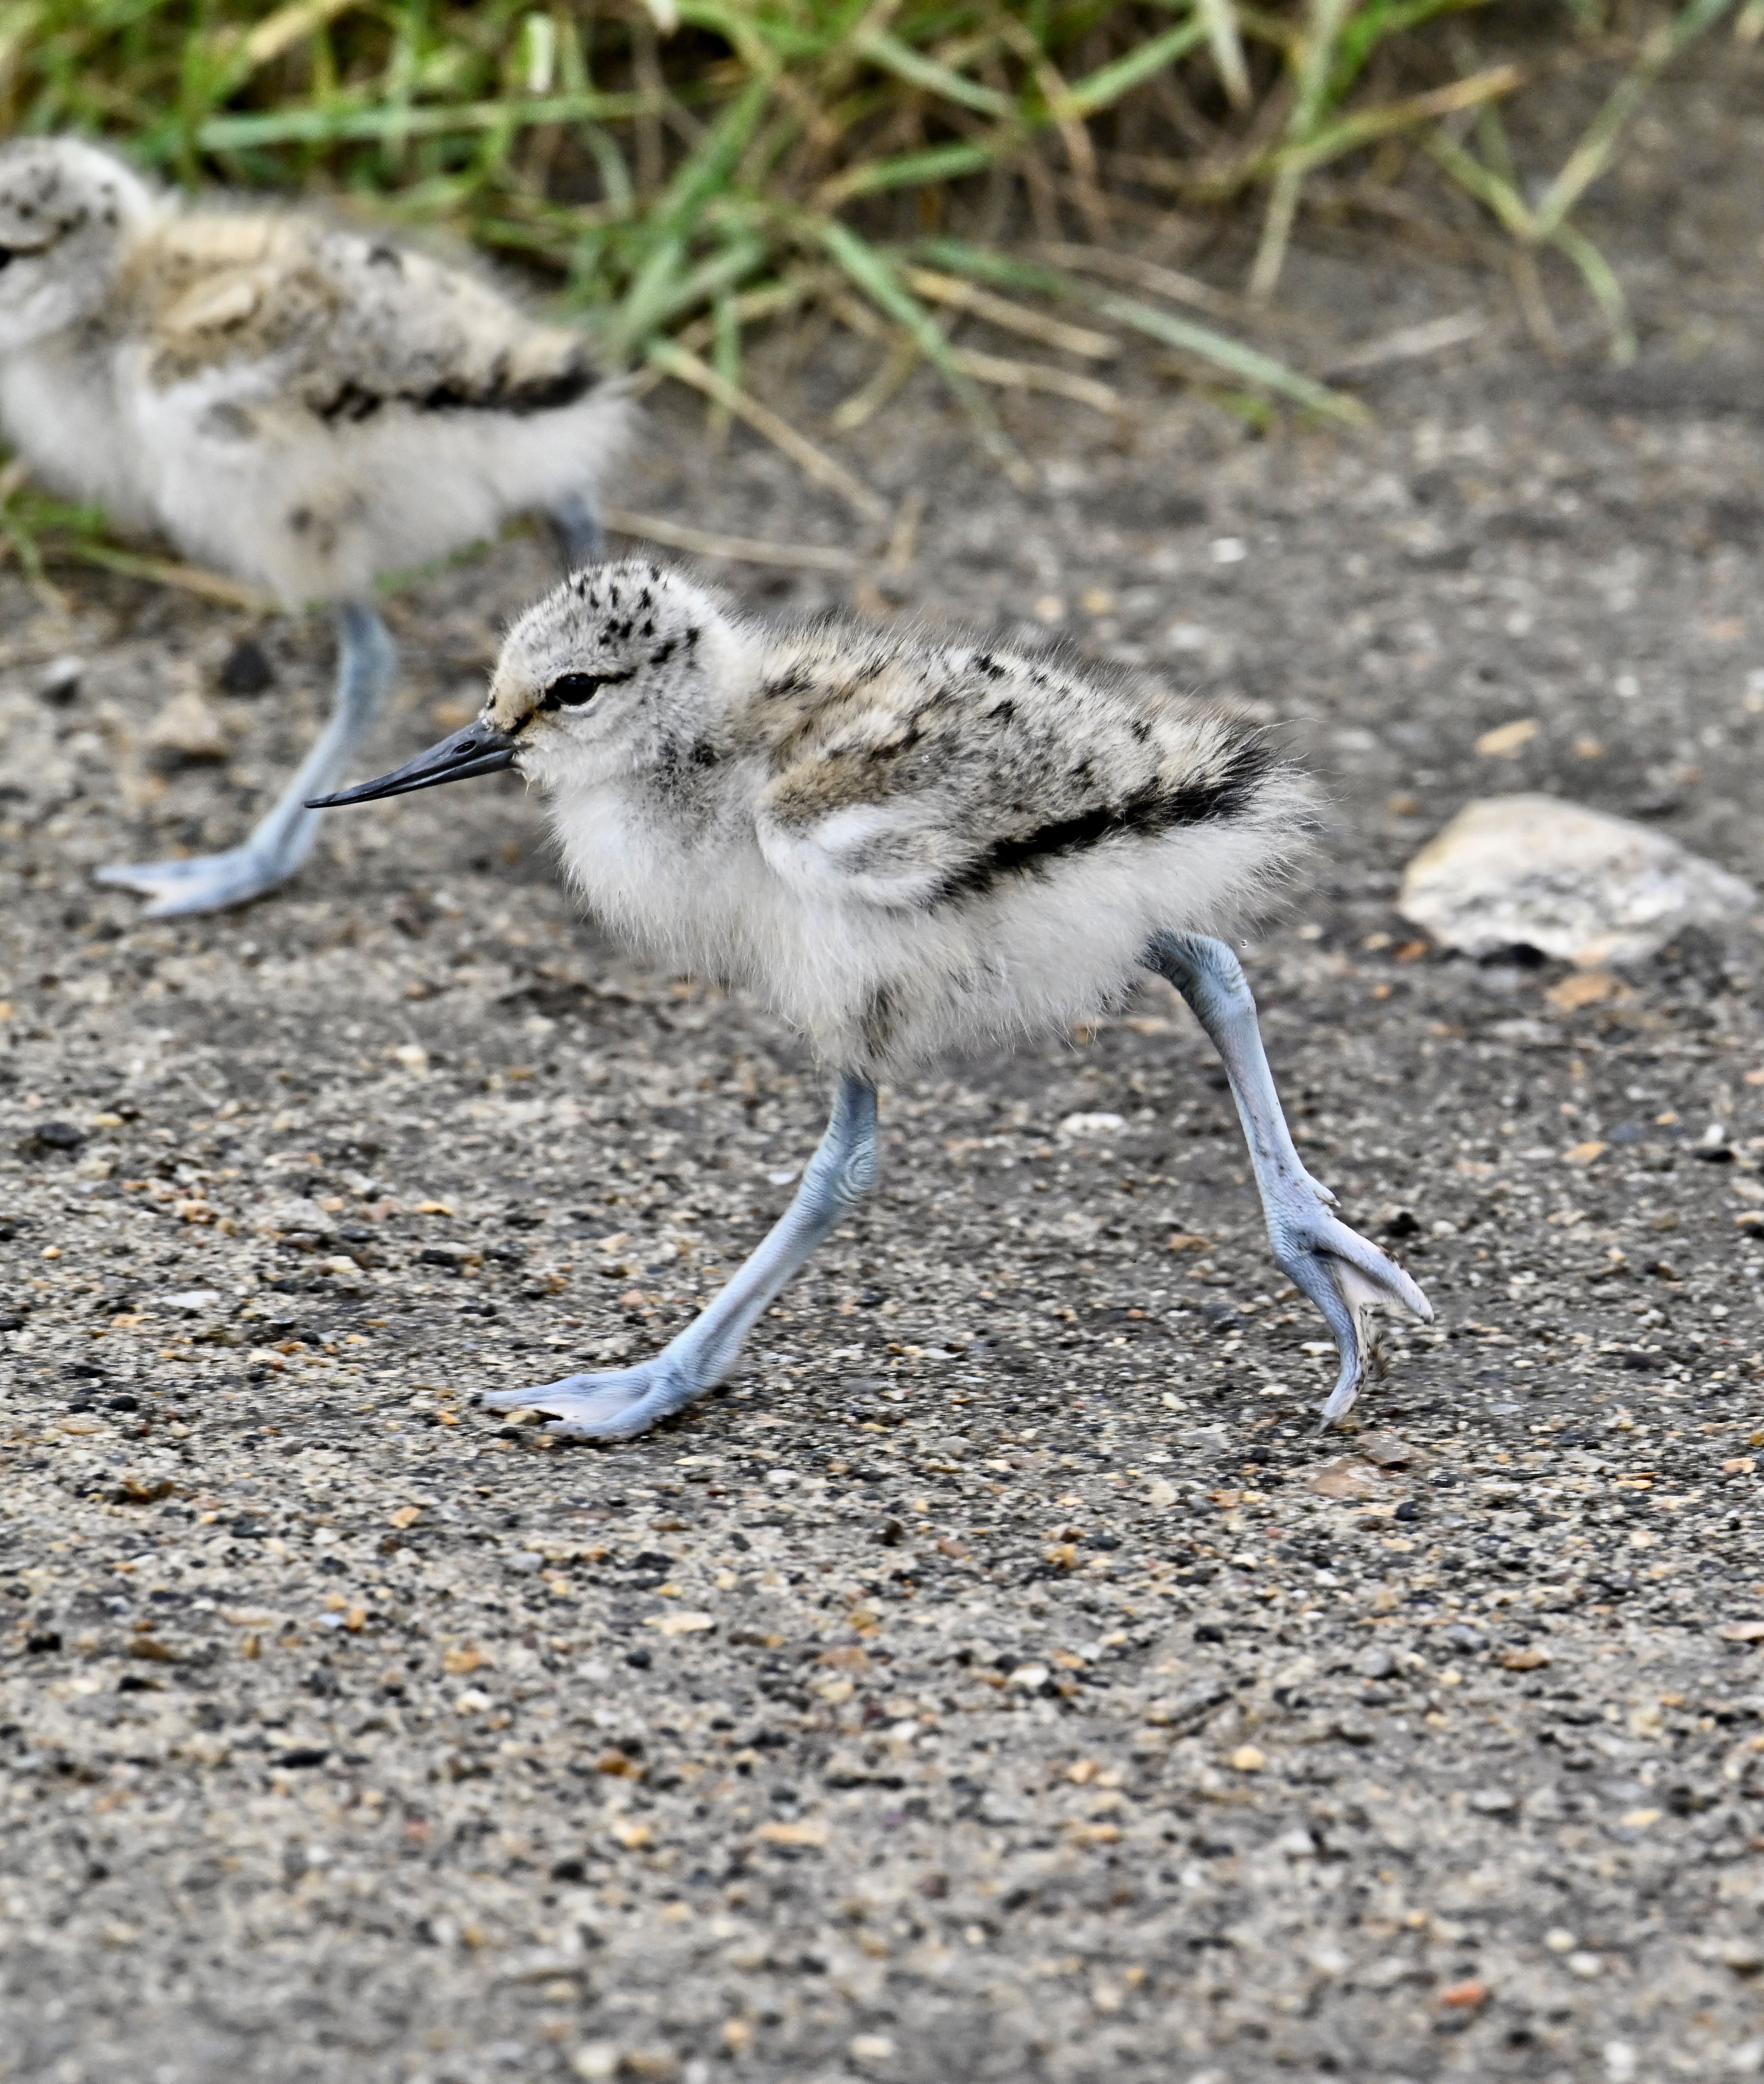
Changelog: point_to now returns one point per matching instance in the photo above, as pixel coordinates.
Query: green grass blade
(936, 163)
(1498, 196)
(1591, 156)
(1601, 280)
(1098, 89)
(874, 273)
(1248, 363)
(912, 65)
(354, 122)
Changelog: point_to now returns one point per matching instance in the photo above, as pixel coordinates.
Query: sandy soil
(1003, 1680)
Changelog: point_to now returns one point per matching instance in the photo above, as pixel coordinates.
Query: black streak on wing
(353, 402)
(1145, 815)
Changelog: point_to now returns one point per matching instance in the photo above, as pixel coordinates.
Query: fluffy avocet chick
(907, 846)
(297, 404)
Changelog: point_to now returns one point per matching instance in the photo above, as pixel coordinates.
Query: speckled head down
(288, 399)
(66, 210)
(904, 843)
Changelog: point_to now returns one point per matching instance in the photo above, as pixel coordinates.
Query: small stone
(58, 683)
(1465, 1996)
(1528, 1657)
(870, 2047)
(1742, 1631)
(1506, 741)
(1386, 1450)
(1375, 1664)
(1494, 1802)
(1247, 1759)
(1347, 1477)
(187, 728)
(1584, 988)
(811, 1831)
(686, 1624)
(596, 2062)
(1091, 1125)
(1587, 1967)
(52, 1136)
(1533, 871)
(246, 670)
(192, 1302)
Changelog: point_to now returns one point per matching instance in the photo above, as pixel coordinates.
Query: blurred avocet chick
(907, 846)
(297, 404)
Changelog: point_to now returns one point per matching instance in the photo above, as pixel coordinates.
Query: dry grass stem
(1140, 274)
(1410, 344)
(1009, 376)
(959, 295)
(742, 550)
(814, 463)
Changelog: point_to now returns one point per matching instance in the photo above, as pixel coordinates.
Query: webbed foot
(205, 883)
(1346, 1276)
(616, 1403)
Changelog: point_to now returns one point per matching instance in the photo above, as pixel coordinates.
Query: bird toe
(616, 1405)
(205, 883)
(1347, 1277)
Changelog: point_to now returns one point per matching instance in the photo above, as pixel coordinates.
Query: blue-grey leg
(580, 538)
(1343, 1274)
(281, 840)
(621, 1402)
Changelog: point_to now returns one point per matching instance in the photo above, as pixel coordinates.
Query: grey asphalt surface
(1003, 1680)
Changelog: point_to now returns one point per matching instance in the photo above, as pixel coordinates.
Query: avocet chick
(296, 403)
(907, 846)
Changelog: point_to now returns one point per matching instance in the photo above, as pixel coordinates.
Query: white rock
(193, 1302)
(1093, 1125)
(189, 728)
(1534, 871)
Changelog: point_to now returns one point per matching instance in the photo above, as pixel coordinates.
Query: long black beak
(481, 749)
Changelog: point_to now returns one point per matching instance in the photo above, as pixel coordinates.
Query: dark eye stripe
(569, 691)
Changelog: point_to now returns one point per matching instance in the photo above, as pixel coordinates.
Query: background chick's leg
(281, 840)
(576, 524)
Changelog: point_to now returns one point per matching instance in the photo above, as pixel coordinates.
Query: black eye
(569, 691)
(6, 256)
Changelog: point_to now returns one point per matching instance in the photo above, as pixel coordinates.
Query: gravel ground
(1003, 1680)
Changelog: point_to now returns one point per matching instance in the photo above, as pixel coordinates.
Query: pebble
(58, 683)
(1535, 871)
(188, 727)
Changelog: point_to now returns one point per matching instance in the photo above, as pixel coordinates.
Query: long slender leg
(1343, 1274)
(576, 523)
(621, 1402)
(281, 840)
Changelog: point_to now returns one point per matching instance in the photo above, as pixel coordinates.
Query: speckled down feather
(290, 400)
(906, 844)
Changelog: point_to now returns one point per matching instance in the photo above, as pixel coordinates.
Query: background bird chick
(906, 845)
(297, 403)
